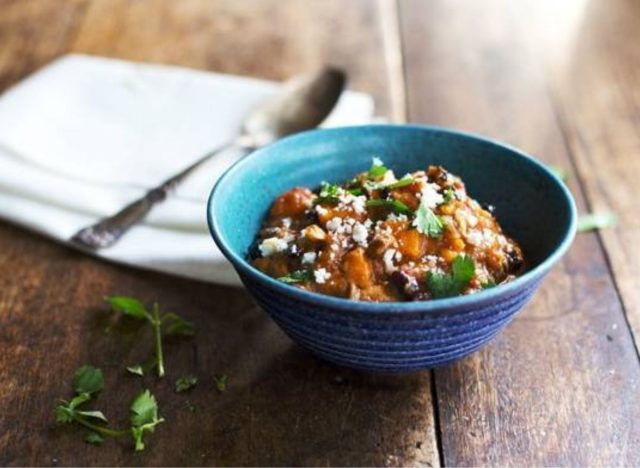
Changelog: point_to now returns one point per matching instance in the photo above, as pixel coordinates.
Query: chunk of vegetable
(292, 203)
(357, 268)
(412, 243)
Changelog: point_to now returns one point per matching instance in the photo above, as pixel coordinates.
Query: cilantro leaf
(377, 168)
(136, 370)
(64, 414)
(144, 417)
(144, 408)
(442, 285)
(176, 325)
(393, 205)
(221, 383)
(329, 193)
(356, 191)
(464, 269)
(93, 414)
(404, 182)
(94, 438)
(297, 277)
(128, 306)
(78, 400)
(186, 382)
(488, 285)
(448, 285)
(426, 221)
(161, 324)
(448, 195)
(371, 186)
(88, 379)
(594, 221)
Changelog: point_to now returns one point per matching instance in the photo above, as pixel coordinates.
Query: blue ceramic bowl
(532, 205)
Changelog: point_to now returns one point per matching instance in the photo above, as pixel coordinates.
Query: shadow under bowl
(532, 205)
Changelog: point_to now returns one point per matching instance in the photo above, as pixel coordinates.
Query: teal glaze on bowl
(532, 205)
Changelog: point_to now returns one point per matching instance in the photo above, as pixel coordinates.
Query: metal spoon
(302, 104)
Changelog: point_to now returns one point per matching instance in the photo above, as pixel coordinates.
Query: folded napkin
(84, 136)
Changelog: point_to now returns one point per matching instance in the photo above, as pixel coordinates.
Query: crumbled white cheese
(368, 223)
(272, 245)
(474, 237)
(334, 224)
(308, 257)
(429, 195)
(431, 259)
(388, 178)
(472, 221)
(349, 201)
(321, 211)
(359, 204)
(489, 236)
(484, 237)
(293, 248)
(360, 234)
(321, 275)
(396, 217)
(377, 161)
(387, 259)
(286, 222)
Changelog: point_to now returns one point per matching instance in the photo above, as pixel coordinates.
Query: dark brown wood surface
(560, 386)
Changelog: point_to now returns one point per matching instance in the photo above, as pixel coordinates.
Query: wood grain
(595, 84)
(560, 385)
(34, 32)
(266, 38)
(282, 406)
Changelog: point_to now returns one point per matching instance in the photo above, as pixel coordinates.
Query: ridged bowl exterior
(532, 204)
(389, 342)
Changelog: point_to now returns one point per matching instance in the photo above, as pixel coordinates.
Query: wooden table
(560, 386)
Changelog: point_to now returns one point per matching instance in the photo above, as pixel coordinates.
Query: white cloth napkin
(85, 135)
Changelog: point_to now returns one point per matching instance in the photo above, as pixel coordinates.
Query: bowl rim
(243, 267)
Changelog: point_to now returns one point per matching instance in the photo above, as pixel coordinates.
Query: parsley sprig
(88, 381)
(161, 324)
(463, 270)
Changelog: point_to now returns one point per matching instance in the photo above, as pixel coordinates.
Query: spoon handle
(108, 231)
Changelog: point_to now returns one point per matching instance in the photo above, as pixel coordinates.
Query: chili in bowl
(409, 261)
